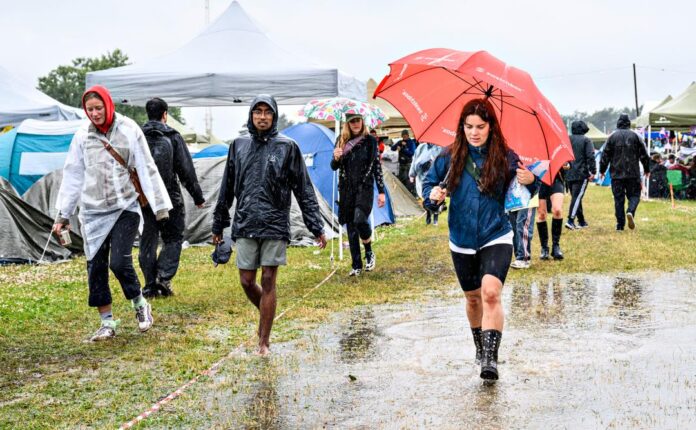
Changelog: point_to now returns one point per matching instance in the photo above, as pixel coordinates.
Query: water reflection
(628, 304)
(357, 341)
(261, 410)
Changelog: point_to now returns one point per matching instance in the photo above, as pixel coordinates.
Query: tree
(284, 122)
(67, 84)
(601, 118)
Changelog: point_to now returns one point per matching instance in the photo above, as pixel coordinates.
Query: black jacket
(358, 171)
(173, 161)
(624, 150)
(584, 163)
(261, 171)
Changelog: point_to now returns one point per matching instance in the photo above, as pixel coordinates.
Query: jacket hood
(270, 101)
(579, 127)
(623, 121)
(108, 106)
(156, 127)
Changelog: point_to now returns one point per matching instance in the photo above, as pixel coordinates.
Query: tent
(316, 144)
(26, 230)
(229, 63)
(20, 101)
(34, 149)
(597, 136)
(644, 119)
(217, 150)
(680, 112)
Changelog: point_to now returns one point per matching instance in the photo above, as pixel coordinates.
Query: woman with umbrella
(357, 158)
(476, 170)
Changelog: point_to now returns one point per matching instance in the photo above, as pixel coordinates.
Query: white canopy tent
(20, 101)
(229, 63)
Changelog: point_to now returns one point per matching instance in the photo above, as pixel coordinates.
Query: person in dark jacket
(407, 149)
(658, 185)
(356, 157)
(623, 154)
(581, 172)
(476, 170)
(263, 169)
(174, 164)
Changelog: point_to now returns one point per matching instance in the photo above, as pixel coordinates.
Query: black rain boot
(556, 230)
(476, 332)
(489, 361)
(543, 230)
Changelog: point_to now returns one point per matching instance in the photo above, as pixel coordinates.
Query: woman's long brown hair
(495, 169)
(347, 134)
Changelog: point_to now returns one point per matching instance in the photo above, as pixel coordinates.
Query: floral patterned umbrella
(336, 108)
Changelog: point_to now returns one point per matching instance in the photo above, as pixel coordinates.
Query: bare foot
(263, 351)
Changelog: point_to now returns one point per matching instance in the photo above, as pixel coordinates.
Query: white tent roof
(20, 101)
(229, 63)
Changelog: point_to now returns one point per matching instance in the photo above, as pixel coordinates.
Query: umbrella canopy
(336, 108)
(431, 87)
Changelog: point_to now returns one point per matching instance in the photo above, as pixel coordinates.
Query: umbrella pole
(337, 134)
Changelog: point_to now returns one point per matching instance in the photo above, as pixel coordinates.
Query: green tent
(597, 136)
(678, 113)
(644, 119)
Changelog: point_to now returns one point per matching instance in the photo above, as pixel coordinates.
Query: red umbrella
(430, 88)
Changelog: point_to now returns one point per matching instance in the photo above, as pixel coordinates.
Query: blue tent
(217, 150)
(34, 149)
(316, 144)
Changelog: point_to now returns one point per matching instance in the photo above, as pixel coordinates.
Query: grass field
(51, 378)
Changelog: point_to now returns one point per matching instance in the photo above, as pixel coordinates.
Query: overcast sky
(579, 53)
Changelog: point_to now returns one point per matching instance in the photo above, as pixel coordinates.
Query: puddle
(580, 352)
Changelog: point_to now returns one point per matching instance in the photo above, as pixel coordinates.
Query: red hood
(108, 106)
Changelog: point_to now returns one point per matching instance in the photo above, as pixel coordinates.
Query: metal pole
(337, 134)
(208, 110)
(635, 90)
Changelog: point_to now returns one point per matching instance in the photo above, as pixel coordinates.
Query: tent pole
(647, 180)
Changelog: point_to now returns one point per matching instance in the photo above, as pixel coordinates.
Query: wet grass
(51, 378)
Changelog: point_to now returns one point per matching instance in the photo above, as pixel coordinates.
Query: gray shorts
(254, 253)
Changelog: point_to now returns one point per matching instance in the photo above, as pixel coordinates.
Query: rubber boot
(476, 332)
(556, 230)
(489, 361)
(543, 230)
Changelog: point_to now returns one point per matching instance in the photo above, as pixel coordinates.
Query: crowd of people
(126, 180)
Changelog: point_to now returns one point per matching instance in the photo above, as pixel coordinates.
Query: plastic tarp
(20, 101)
(229, 63)
(316, 143)
(217, 150)
(34, 149)
(679, 112)
(26, 231)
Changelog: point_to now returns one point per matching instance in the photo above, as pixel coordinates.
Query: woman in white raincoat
(109, 210)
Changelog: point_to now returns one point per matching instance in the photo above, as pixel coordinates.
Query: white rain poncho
(101, 186)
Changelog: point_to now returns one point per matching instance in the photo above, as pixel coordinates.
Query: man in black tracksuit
(174, 163)
(623, 154)
(581, 172)
(264, 169)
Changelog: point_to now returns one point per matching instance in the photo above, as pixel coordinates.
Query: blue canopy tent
(217, 150)
(34, 149)
(316, 144)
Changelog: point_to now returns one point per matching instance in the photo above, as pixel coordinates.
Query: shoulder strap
(114, 154)
(473, 170)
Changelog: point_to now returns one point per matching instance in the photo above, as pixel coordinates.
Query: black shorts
(492, 260)
(546, 191)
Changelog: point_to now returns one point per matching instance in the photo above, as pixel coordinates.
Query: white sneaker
(520, 264)
(370, 261)
(144, 316)
(105, 332)
(355, 272)
(631, 221)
